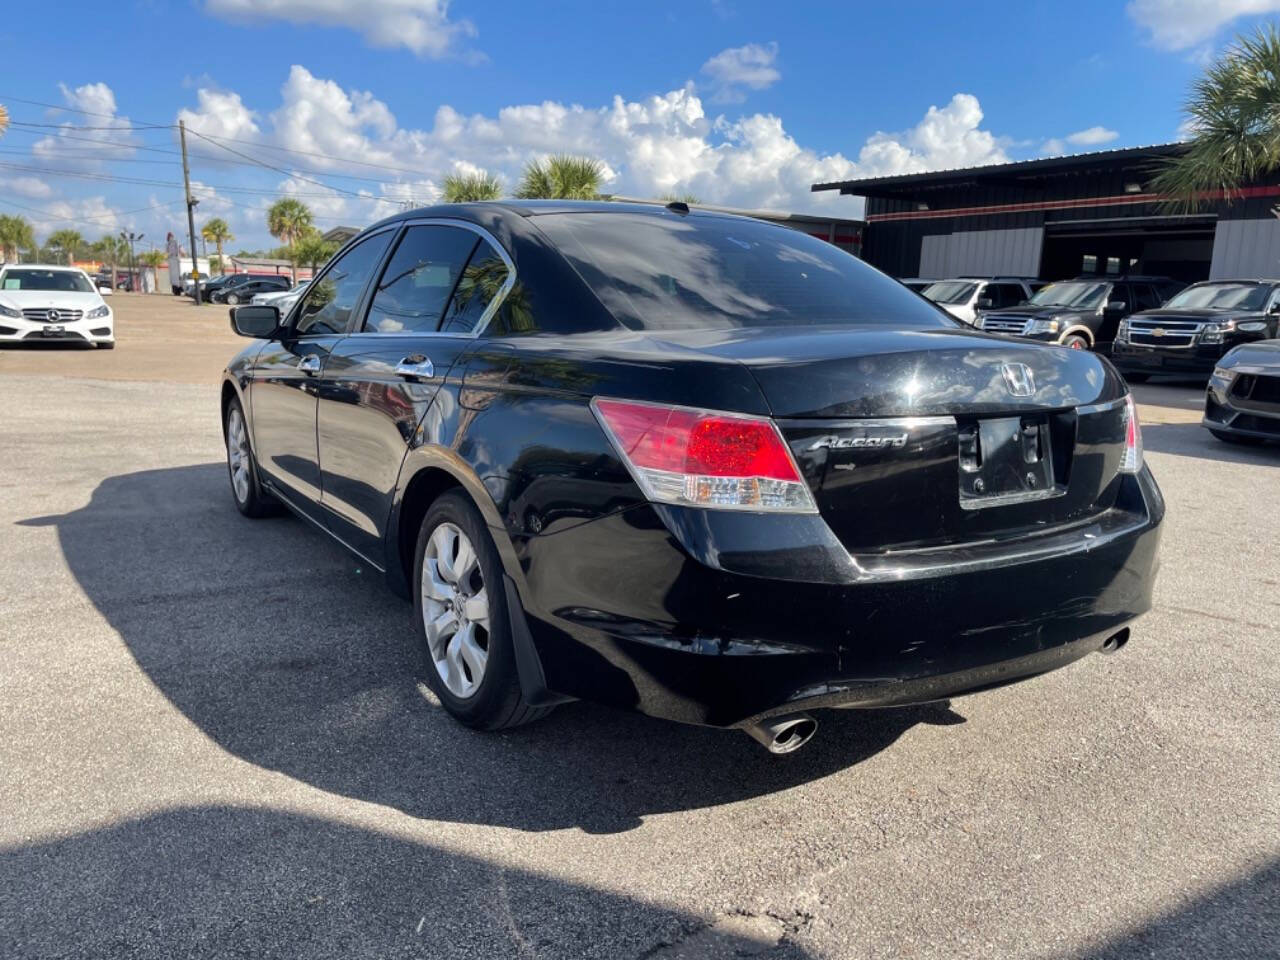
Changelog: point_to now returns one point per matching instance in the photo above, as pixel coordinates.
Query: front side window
(328, 303)
(421, 275)
(663, 271)
(60, 281)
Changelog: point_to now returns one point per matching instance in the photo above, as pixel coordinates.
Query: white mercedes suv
(39, 302)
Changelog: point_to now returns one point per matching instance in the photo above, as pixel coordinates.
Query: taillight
(705, 458)
(1131, 462)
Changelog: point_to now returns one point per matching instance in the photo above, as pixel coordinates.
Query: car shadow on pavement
(246, 882)
(1193, 440)
(281, 649)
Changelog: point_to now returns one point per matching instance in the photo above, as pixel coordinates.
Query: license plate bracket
(1005, 460)
(53, 330)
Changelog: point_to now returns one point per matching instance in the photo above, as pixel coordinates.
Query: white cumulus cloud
(734, 71)
(1094, 136)
(99, 134)
(422, 26)
(28, 187)
(1181, 24)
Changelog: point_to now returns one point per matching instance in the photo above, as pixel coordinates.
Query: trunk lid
(915, 439)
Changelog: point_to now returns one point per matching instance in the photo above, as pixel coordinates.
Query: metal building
(1061, 217)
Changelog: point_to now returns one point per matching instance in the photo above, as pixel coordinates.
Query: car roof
(1205, 283)
(62, 267)
(484, 209)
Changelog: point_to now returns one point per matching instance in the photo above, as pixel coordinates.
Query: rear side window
(667, 271)
(482, 280)
(327, 305)
(419, 279)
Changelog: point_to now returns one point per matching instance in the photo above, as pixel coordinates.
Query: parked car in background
(1196, 327)
(281, 297)
(1242, 402)
(917, 284)
(234, 293)
(48, 303)
(692, 464)
(964, 296)
(229, 280)
(1084, 313)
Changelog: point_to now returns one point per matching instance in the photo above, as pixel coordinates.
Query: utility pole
(191, 215)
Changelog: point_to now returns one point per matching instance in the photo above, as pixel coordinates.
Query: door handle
(415, 366)
(309, 365)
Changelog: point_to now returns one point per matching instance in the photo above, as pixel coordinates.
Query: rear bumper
(621, 611)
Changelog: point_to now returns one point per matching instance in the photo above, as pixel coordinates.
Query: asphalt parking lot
(212, 742)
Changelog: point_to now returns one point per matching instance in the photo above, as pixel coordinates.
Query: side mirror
(105, 291)
(1116, 306)
(984, 304)
(258, 322)
(1274, 308)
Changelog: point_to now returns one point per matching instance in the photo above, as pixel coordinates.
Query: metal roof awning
(908, 185)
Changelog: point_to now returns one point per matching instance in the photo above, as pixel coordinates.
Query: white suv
(39, 302)
(963, 297)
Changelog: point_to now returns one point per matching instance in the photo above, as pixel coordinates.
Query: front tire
(107, 345)
(1137, 377)
(1076, 342)
(232, 299)
(461, 615)
(246, 489)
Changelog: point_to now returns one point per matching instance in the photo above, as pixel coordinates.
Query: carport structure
(1058, 217)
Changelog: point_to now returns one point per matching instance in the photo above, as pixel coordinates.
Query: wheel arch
(1081, 329)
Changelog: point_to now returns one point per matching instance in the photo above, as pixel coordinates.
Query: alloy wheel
(238, 455)
(455, 610)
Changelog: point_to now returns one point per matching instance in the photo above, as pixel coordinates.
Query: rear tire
(1076, 342)
(1137, 377)
(246, 488)
(1235, 438)
(462, 620)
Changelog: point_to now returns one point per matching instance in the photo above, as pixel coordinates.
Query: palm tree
(4, 119)
(15, 233)
(66, 241)
(561, 177)
(217, 232)
(289, 220)
(467, 187)
(112, 250)
(314, 251)
(1234, 115)
(685, 198)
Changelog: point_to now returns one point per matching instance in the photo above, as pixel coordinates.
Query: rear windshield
(695, 272)
(1221, 296)
(64, 281)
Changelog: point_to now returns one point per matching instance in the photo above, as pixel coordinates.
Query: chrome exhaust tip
(1115, 641)
(784, 734)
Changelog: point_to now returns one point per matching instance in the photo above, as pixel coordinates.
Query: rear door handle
(415, 367)
(310, 365)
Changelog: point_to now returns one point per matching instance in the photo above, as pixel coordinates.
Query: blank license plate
(1005, 460)
(54, 329)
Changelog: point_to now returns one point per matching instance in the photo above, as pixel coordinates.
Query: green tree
(314, 251)
(468, 187)
(112, 251)
(289, 220)
(1234, 115)
(561, 177)
(15, 235)
(217, 232)
(66, 243)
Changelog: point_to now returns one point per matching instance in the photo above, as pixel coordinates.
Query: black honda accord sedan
(693, 464)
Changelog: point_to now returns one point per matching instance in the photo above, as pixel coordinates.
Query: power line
(309, 153)
(55, 106)
(287, 173)
(87, 220)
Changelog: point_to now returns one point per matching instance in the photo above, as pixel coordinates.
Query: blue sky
(363, 107)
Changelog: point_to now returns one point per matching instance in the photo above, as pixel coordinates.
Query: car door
(286, 373)
(423, 313)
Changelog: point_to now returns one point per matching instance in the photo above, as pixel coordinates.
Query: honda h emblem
(1018, 378)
